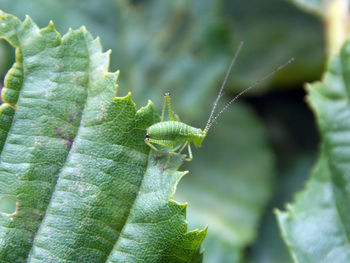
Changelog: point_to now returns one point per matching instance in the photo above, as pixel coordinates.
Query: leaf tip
(50, 29)
(144, 108)
(51, 25)
(203, 231)
(182, 205)
(28, 21)
(198, 234)
(127, 97)
(185, 172)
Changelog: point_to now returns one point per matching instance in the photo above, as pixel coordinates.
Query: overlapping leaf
(316, 226)
(74, 163)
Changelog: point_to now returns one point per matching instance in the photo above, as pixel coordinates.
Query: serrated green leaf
(73, 162)
(316, 227)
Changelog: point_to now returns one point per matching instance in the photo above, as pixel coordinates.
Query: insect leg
(190, 156)
(183, 147)
(172, 151)
(150, 142)
(152, 146)
(170, 109)
(166, 95)
(171, 115)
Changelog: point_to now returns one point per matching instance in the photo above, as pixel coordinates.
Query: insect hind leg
(153, 147)
(172, 151)
(183, 147)
(171, 115)
(190, 156)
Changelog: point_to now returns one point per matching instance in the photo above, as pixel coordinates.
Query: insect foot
(158, 156)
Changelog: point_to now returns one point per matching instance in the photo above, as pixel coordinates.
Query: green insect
(176, 135)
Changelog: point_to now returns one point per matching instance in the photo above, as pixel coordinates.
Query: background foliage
(260, 152)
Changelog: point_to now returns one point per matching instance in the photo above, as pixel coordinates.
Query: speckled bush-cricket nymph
(176, 135)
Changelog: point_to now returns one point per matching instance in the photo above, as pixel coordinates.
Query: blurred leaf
(314, 6)
(77, 181)
(230, 184)
(336, 17)
(316, 226)
(269, 247)
(274, 31)
(185, 46)
(158, 45)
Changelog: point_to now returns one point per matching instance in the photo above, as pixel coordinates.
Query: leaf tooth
(83, 29)
(51, 34)
(182, 206)
(126, 97)
(28, 29)
(197, 232)
(50, 28)
(98, 40)
(51, 24)
(145, 108)
(103, 59)
(8, 28)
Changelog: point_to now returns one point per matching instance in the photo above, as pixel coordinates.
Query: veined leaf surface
(81, 183)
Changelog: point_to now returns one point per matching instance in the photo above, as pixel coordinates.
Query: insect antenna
(224, 83)
(209, 124)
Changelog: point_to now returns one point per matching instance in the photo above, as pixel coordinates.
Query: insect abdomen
(169, 130)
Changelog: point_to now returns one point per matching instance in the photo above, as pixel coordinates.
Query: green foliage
(74, 163)
(316, 226)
